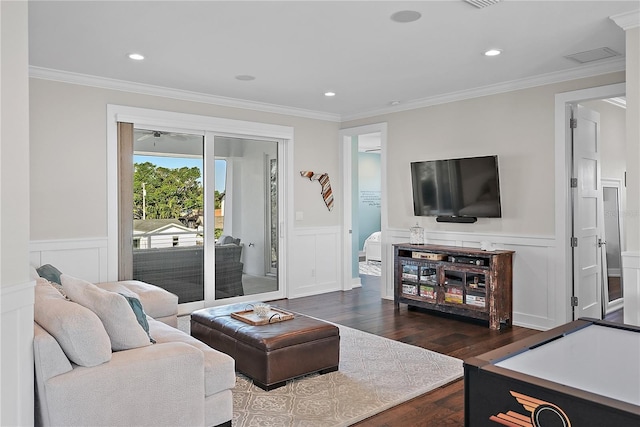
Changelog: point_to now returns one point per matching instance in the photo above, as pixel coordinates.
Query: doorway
(170, 185)
(246, 139)
(564, 214)
(247, 244)
(364, 210)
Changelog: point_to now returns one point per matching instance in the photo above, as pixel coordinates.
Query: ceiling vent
(481, 3)
(593, 55)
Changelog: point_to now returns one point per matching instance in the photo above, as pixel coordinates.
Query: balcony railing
(180, 270)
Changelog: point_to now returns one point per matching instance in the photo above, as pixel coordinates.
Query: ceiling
(298, 50)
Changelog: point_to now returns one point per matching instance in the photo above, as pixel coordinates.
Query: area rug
(375, 374)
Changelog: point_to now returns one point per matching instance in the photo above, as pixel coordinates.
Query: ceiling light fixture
(329, 94)
(394, 103)
(245, 77)
(136, 56)
(493, 52)
(406, 16)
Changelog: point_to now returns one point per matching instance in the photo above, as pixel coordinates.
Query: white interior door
(588, 224)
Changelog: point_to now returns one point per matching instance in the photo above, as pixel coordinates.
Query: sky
(178, 162)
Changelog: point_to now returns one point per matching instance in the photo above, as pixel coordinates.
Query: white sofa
(81, 380)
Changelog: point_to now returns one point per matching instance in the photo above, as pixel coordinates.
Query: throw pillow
(50, 273)
(78, 330)
(113, 310)
(59, 288)
(141, 316)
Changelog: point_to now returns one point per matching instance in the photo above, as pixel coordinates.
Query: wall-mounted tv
(456, 190)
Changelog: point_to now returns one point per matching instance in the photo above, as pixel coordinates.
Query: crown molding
(627, 20)
(183, 95)
(583, 71)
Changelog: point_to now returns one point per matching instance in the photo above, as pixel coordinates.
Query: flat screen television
(457, 190)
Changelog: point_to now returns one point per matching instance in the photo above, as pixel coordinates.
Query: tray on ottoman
(273, 353)
(275, 315)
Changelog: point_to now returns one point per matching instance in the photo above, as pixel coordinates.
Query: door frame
(345, 138)
(205, 126)
(560, 304)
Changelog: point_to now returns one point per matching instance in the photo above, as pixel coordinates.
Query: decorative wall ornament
(323, 179)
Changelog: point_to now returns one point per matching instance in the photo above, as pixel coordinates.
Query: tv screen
(466, 187)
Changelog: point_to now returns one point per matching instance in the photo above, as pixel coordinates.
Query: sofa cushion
(219, 368)
(78, 330)
(113, 310)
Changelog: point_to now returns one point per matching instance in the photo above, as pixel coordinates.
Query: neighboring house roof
(153, 226)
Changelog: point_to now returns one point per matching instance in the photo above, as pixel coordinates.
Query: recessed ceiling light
(394, 103)
(405, 16)
(136, 56)
(493, 52)
(329, 94)
(245, 77)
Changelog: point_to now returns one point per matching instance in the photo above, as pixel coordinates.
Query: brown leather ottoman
(269, 354)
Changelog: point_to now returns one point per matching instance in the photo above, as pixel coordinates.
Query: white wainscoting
(17, 354)
(536, 293)
(315, 264)
(631, 287)
(315, 261)
(83, 258)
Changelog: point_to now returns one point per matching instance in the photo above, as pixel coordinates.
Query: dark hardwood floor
(363, 309)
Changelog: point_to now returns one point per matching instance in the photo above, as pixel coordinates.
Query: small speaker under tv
(459, 219)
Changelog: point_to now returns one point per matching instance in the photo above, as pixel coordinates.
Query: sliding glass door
(246, 249)
(204, 216)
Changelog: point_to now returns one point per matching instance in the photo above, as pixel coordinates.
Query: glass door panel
(246, 248)
(168, 212)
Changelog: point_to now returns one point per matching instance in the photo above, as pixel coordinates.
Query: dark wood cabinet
(462, 281)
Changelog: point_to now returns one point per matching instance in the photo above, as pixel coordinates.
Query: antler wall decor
(323, 179)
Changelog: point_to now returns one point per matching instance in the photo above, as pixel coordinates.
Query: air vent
(481, 3)
(593, 55)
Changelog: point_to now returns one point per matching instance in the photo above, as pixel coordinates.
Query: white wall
(16, 289)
